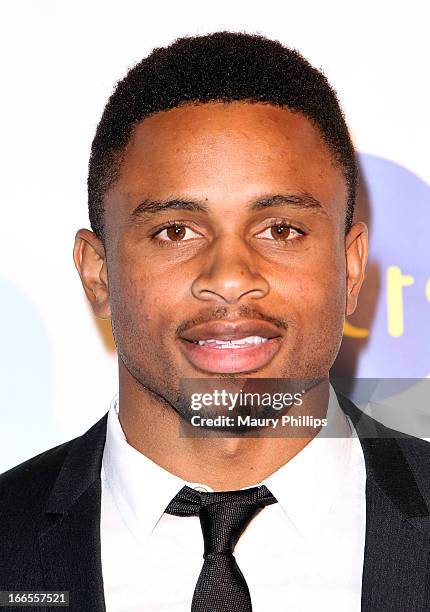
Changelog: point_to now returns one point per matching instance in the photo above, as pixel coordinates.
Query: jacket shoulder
(31, 481)
(67, 468)
(376, 438)
(33, 492)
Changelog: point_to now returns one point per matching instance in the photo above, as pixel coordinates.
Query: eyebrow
(298, 201)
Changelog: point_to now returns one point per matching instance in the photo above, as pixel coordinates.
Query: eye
(174, 232)
(281, 231)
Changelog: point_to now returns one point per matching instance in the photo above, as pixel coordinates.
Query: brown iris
(175, 232)
(280, 231)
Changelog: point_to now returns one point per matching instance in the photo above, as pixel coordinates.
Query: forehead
(229, 151)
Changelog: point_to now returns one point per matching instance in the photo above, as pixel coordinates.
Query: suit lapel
(397, 545)
(396, 558)
(69, 535)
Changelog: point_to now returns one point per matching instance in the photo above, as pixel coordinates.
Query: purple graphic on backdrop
(389, 334)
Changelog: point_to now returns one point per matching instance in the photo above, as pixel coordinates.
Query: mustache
(244, 312)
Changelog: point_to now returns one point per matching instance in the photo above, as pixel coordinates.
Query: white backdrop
(59, 63)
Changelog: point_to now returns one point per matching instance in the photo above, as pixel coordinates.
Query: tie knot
(223, 515)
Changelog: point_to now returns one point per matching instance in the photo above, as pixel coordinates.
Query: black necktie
(221, 586)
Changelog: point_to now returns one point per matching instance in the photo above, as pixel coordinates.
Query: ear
(90, 261)
(356, 250)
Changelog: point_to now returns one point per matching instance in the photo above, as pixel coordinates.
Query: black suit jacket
(50, 520)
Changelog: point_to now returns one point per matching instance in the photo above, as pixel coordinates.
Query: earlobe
(357, 246)
(90, 261)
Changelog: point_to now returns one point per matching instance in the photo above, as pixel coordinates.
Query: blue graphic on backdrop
(389, 334)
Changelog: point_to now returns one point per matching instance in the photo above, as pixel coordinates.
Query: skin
(227, 265)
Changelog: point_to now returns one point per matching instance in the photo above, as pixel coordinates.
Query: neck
(152, 427)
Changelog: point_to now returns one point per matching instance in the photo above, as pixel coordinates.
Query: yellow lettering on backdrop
(428, 290)
(351, 331)
(395, 283)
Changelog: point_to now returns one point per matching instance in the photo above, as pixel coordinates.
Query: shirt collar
(141, 488)
(305, 487)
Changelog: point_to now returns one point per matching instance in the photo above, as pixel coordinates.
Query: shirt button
(201, 488)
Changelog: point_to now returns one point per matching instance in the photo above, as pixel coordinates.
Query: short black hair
(218, 67)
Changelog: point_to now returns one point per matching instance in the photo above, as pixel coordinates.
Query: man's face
(258, 250)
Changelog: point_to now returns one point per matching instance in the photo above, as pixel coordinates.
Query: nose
(229, 273)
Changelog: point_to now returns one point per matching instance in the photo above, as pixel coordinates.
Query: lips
(222, 330)
(209, 346)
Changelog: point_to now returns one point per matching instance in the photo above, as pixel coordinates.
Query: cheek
(135, 306)
(313, 296)
(140, 300)
(129, 299)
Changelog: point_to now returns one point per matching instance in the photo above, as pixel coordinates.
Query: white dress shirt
(302, 554)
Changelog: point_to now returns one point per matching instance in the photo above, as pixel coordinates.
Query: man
(222, 185)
